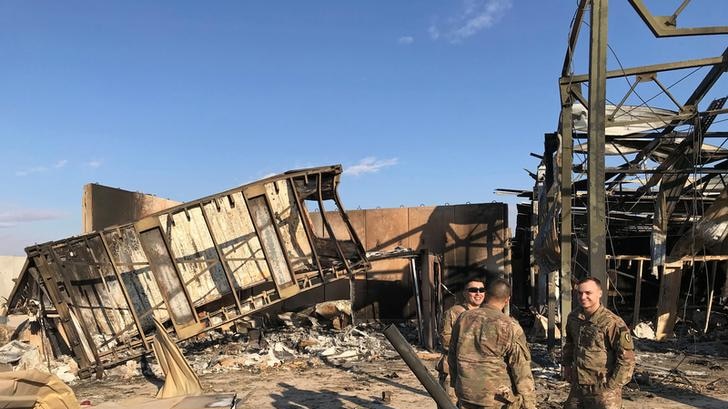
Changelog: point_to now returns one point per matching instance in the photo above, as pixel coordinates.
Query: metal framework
(630, 208)
(195, 267)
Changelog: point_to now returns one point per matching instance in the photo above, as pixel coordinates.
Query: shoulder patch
(625, 340)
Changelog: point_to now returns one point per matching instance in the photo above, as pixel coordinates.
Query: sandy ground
(700, 382)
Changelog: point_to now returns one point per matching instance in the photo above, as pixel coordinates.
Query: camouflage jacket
(448, 320)
(598, 348)
(523, 382)
(489, 360)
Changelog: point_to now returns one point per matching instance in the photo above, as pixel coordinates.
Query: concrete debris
(302, 337)
(21, 356)
(335, 313)
(338, 312)
(13, 351)
(292, 319)
(311, 345)
(127, 370)
(66, 369)
(644, 330)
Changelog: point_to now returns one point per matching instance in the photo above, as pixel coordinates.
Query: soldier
(598, 354)
(490, 366)
(473, 296)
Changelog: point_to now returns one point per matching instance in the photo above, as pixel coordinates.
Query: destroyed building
(635, 193)
(270, 241)
(629, 189)
(196, 266)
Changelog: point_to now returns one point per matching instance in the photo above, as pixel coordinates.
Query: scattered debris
(644, 330)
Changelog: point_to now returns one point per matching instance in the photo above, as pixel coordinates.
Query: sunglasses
(475, 289)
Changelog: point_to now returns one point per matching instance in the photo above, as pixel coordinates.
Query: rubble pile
(319, 335)
(309, 345)
(22, 356)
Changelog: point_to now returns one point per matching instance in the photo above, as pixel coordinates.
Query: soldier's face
(474, 293)
(589, 296)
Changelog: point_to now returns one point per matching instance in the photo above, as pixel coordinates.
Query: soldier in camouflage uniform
(473, 296)
(490, 365)
(598, 354)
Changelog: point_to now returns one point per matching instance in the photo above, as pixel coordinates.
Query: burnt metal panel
(160, 261)
(232, 228)
(290, 225)
(194, 253)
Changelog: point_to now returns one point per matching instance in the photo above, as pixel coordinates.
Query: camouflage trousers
(589, 397)
(445, 383)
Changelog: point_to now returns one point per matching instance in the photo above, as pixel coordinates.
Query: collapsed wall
(194, 267)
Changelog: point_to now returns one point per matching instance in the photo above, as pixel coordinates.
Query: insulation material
(179, 379)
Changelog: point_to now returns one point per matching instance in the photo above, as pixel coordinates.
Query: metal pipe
(416, 284)
(404, 350)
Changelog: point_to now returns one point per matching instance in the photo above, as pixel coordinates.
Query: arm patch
(625, 340)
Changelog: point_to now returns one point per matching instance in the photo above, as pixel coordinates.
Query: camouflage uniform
(600, 352)
(489, 362)
(448, 320)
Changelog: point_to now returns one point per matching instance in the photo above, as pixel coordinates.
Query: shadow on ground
(292, 397)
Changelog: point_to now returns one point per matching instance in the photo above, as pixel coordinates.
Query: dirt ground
(700, 381)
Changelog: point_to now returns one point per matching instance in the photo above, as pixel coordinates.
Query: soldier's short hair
(499, 289)
(593, 279)
(474, 280)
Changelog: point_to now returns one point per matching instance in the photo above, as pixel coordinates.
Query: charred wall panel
(233, 230)
(193, 267)
(194, 254)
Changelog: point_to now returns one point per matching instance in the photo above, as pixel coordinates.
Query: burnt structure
(632, 190)
(194, 267)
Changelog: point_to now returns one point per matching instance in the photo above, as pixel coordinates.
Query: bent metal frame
(196, 266)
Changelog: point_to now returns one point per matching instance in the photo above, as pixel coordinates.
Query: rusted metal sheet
(481, 234)
(428, 227)
(386, 229)
(195, 266)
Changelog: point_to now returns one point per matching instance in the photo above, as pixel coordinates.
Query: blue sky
(426, 102)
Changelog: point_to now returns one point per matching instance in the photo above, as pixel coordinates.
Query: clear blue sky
(432, 101)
